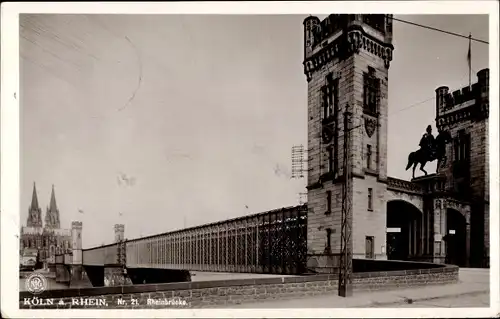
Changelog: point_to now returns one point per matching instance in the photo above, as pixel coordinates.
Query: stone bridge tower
(119, 233)
(76, 246)
(346, 62)
(464, 113)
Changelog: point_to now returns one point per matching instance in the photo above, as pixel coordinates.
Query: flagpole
(470, 59)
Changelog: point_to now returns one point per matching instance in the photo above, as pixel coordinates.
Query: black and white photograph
(201, 161)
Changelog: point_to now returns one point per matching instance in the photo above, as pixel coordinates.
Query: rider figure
(427, 143)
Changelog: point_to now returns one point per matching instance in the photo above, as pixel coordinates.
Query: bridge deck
(273, 242)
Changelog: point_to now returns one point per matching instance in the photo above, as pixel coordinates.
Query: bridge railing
(405, 186)
(270, 242)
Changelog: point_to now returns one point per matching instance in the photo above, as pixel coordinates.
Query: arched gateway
(346, 63)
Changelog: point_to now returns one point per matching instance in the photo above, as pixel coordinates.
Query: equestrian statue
(430, 149)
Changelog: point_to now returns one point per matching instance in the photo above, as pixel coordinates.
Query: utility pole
(345, 271)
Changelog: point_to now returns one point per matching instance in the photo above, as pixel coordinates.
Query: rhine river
(195, 276)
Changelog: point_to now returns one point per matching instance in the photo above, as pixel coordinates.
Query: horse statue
(434, 149)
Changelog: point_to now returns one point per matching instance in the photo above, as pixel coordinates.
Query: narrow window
(336, 96)
(369, 247)
(371, 87)
(370, 199)
(368, 156)
(328, 240)
(325, 102)
(466, 147)
(330, 91)
(462, 147)
(330, 159)
(328, 202)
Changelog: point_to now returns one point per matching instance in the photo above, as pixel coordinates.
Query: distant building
(48, 239)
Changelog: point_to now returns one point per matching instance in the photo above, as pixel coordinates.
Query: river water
(195, 276)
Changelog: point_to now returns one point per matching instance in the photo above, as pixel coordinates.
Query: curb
(405, 299)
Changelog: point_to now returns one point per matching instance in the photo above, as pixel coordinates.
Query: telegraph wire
(439, 30)
(412, 106)
(397, 111)
(415, 104)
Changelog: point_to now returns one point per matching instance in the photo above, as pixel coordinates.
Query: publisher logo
(36, 283)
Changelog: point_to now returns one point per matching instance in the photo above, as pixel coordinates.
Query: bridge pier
(95, 275)
(51, 267)
(115, 275)
(75, 276)
(78, 277)
(62, 273)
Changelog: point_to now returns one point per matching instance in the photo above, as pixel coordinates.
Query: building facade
(346, 63)
(47, 238)
(465, 197)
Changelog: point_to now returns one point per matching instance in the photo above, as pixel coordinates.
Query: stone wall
(224, 292)
(369, 222)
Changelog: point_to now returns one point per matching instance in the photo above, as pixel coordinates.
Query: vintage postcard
(266, 159)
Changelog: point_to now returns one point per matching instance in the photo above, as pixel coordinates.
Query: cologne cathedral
(47, 238)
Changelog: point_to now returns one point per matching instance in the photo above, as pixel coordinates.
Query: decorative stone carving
(370, 126)
(327, 134)
(400, 184)
(438, 204)
(354, 40)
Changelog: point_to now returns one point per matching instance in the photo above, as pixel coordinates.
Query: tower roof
(53, 205)
(34, 199)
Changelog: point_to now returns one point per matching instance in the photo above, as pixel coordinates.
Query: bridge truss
(273, 242)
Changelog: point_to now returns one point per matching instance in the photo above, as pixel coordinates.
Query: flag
(468, 53)
(469, 60)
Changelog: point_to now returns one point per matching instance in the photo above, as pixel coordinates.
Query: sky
(166, 122)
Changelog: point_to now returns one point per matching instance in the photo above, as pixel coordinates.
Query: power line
(412, 106)
(415, 104)
(439, 30)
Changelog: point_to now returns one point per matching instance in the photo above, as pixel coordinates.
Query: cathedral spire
(35, 213)
(34, 199)
(52, 215)
(53, 206)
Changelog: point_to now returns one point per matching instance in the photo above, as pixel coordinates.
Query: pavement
(473, 290)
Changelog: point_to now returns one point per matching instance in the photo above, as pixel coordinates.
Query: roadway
(471, 291)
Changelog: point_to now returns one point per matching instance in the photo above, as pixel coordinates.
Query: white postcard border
(10, 182)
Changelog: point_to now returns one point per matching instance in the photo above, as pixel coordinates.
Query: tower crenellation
(448, 102)
(338, 35)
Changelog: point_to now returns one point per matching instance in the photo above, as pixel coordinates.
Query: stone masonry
(464, 113)
(346, 61)
(340, 52)
(226, 292)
